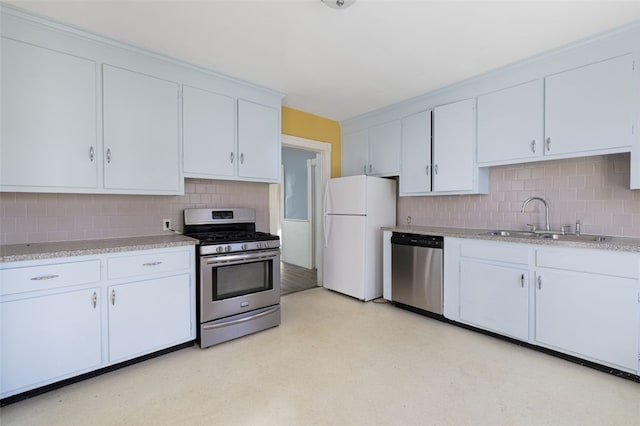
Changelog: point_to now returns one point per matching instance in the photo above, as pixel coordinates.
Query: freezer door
(344, 260)
(346, 195)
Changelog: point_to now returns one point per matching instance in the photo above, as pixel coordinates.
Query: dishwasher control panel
(418, 240)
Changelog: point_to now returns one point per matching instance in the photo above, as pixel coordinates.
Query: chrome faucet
(546, 208)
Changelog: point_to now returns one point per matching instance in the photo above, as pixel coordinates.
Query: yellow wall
(309, 126)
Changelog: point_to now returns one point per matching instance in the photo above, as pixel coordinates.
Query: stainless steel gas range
(238, 274)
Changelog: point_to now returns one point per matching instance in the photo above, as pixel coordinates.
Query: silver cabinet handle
(242, 158)
(427, 170)
(364, 169)
(548, 144)
(108, 155)
(113, 297)
(533, 145)
(370, 168)
(435, 168)
(152, 263)
(92, 154)
(94, 299)
(44, 277)
(539, 282)
(231, 158)
(522, 280)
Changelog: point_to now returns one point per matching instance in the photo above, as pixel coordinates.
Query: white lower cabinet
(495, 297)
(137, 326)
(68, 316)
(48, 338)
(582, 302)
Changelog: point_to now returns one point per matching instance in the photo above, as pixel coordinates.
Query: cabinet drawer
(150, 263)
(626, 265)
(32, 278)
(499, 252)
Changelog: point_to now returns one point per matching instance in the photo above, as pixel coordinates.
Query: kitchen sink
(547, 236)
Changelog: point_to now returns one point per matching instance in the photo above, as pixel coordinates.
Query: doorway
(295, 210)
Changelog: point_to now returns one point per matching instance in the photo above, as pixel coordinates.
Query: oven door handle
(241, 257)
(241, 320)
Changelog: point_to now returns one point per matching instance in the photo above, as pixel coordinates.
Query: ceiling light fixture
(338, 4)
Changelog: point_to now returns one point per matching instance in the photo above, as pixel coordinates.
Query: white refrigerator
(355, 209)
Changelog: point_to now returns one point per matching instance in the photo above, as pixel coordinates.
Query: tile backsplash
(40, 217)
(594, 190)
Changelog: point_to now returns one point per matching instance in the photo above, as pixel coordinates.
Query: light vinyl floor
(337, 361)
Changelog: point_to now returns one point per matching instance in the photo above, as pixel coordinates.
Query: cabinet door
(384, 149)
(453, 146)
(49, 338)
(415, 165)
(259, 144)
(510, 124)
(48, 118)
(141, 132)
(355, 153)
(589, 315)
(149, 315)
(495, 298)
(208, 133)
(590, 108)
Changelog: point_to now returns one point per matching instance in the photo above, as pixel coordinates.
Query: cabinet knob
(533, 146)
(435, 168)
(364, 169)
(108, 155)
(231, 158)
(522, 280)
(113, 297)
(242, 158)
(92, 154)
(370, 168)
(548, 144)
(539, 282)
(94, 299)
(427, 170)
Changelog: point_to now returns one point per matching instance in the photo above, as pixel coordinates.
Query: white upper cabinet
(510, 124)
(415, 158)
(49, 130)
(590, 109)
(209, 147)
(141, 132)
(374, 151)
(355, 153)
(453, 146)
(384, 149)
(259, 147)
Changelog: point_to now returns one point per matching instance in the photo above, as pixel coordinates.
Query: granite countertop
(35, 251)
(610, 243)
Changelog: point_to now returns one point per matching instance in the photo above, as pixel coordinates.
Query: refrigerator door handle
(325, 230)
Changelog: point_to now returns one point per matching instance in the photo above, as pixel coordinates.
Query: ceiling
(342, 63)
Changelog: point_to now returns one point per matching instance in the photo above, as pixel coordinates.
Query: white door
(259, 144)
(48, 338)
(384, 149)
(590, 315)
(415, 172)
(49, 131)
(355, 153)
(495, 298)
(590, 108)
(453, 143)
(344, 260)
(346, 195)
(510, 123)
(141, 132)
(208, 133)
(148, 315)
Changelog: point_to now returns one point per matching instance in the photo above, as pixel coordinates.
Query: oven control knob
(244, 247)
(227, 248)
(219, 249)
(259, 245)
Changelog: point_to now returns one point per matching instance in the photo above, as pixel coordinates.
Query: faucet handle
(532, 226)
(565, 229)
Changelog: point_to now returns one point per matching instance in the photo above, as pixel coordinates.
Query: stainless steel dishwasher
(416, 271)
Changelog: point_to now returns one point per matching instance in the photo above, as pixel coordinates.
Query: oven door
(234, 283)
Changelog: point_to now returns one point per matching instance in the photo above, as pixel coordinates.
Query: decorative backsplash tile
(40, 217)
(592, 190)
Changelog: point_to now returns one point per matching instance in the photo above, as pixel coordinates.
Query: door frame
(324, 174)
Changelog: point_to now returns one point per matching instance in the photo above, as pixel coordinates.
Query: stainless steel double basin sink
(547, 235)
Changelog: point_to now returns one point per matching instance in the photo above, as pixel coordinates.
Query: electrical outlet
(166, 224)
